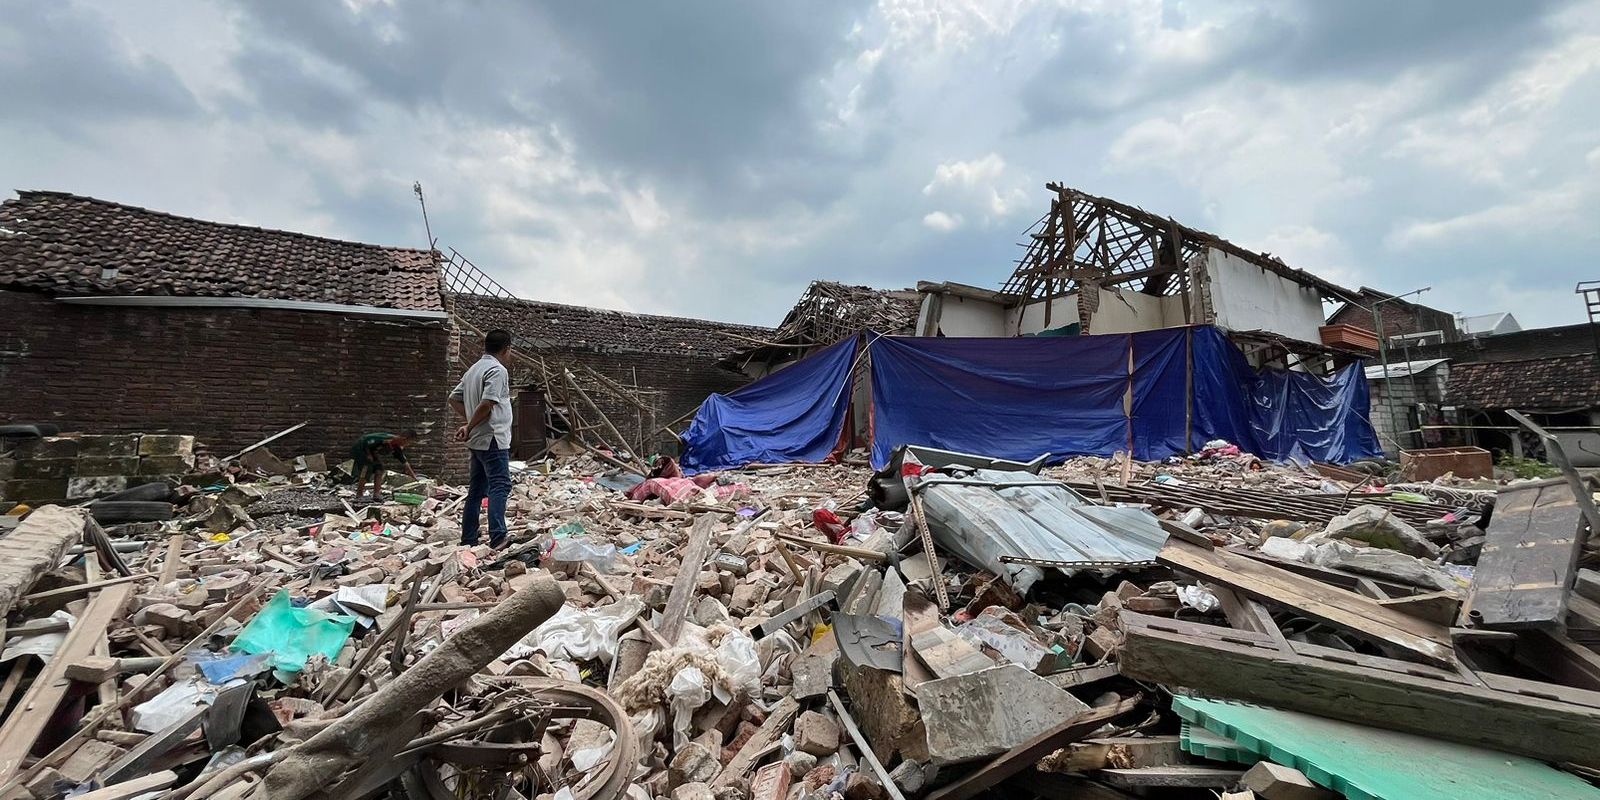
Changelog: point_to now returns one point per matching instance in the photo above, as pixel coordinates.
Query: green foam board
(1372, 764)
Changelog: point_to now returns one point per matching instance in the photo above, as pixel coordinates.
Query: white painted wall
(1246, 297)
(1063, 311)
(1127, 311)
(966, 316)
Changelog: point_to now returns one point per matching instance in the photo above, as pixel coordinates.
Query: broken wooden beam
(1346, 610)
(1026, 754)
(377, 728)
(772, 730)
(1529, 559)
(36, 547)
(23, 726)
(1249, 667)
(695, 553)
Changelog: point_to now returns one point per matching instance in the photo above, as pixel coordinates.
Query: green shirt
(372, 446)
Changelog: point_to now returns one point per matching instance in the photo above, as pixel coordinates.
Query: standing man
(368, 454)
(483, 399)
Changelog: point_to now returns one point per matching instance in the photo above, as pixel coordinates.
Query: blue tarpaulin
(794, 414)
(1280, 414)
(1023, 397)
(1017, 398)
(1003, 398)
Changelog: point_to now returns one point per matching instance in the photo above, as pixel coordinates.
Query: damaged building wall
(228, 376)
(1246, 297)
(673, 362)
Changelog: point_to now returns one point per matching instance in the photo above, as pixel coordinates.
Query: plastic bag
(584, 548)
(686, 694)
(293, 635)
(736, 653)
(580, 634)
(1198, 598)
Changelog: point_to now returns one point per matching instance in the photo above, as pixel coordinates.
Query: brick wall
(227, 376)
(674, 384)
(1398, 318)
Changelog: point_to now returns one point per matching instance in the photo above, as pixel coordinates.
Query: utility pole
(1383, 355)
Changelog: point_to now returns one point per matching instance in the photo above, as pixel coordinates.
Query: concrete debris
(420, 660)
(1379, 527)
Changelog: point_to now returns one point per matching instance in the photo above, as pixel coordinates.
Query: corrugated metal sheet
(993, 514)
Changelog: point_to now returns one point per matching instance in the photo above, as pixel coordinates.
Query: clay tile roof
(563, 327)
(1556, 382)
(68, 244)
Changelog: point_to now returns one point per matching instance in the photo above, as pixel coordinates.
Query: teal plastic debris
(292, 635)
(573, 528)
(1371, 764)
(1198, 741)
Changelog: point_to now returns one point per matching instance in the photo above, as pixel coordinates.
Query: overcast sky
(708, 159)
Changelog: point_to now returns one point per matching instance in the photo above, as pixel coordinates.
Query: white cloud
(942, 222)
(1567, 207)
(980, 172)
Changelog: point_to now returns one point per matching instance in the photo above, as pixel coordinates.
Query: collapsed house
(123, 319)
(1119, 331)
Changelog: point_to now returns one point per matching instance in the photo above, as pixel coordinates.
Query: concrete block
(34, 491)
(152, 444)
(983, 714)
(729, 562)
(48, 447)
(113, 445)
(693, 763)
(813, 674)
(800, 763)
(1588, 584)
(311, 462)
(841, 576)
(165, 465)
(1379, 527)
(83, 488)
(8, 469)
(37, 468)
(97, 466)
(1277, 782)
(816, 734)
(889, 721)
(693, 791)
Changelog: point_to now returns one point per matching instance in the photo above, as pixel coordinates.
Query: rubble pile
(948, 626)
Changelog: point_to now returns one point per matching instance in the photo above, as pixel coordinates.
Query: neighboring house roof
(1367, 296)
(1556, 382)
(67, 244)
(564, 327)
(1403, 369)
(829, 311)
(1490, 324)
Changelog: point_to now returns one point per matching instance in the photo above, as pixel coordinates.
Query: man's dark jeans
(491, 478)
